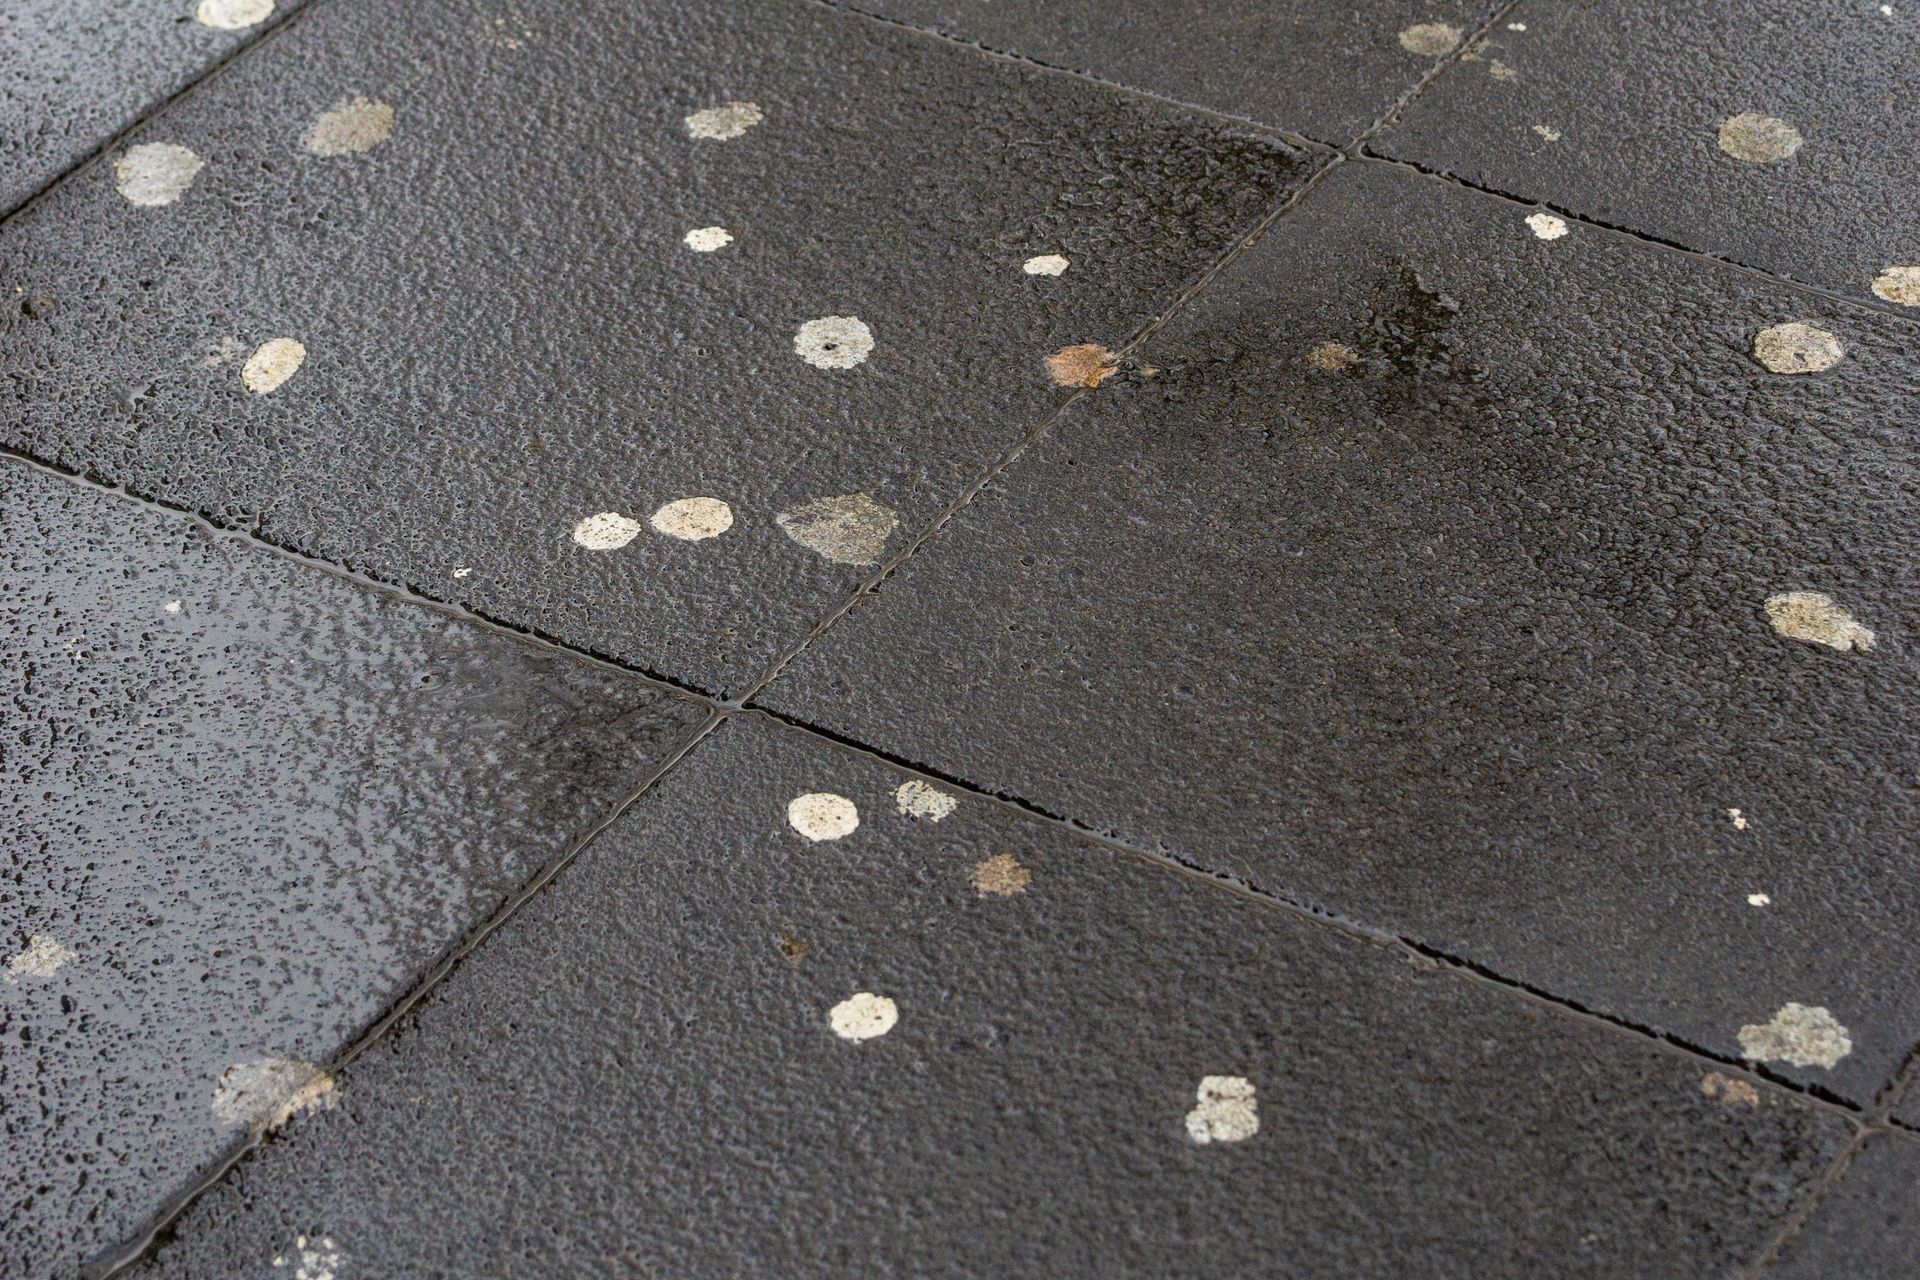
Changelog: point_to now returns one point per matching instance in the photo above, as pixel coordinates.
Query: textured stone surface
(505, 333)
(1638, 93)
(1467, 639)
(638, 1075)
(1868, 1225)
(245, 807)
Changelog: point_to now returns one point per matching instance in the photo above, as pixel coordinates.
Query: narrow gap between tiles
(1451, 59)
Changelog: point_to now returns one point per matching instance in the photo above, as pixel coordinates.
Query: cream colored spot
(1548, 132)
(1899, 284)
(1546, 226)
(822, 815)
(1738, 819)
(1501, 71)
(606, 531)
(723, 122)
(849, 529)
(1227, 1110)
(1047, 264)
(863, 1016)
(1729, 1089)
(1086, 365)
(1759, 139)
(834, 342)
(1516, 26)
(1797, 348)
(41, 959)
(1799, 1035)
(1430, 39)
(232, 15)
(1815, 617)
(1002, 876)
(1887, 9)
(1333, 357)
(173, 606)
(313, 1259)
(918, 800)
(707, 239)
(265, 1094)
(271, 364)
(155, 173)
(354, 124)
(692, 519)
(1759, 900)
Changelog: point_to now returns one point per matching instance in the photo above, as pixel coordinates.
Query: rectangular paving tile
(1477, 581)
(1780, 136)
(651, 329)
(73, 73)
(797, 1014)
(247, 805)
(1325, 71)
(1868, 1225)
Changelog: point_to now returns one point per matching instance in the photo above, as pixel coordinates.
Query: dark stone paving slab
(246, 806)
(73, 73)
(1867, 1226)
(966, 1043)
(1325, 71)
(1424, 570)
(758, 262)
(1780, 136)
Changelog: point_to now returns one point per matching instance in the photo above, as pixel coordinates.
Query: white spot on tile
(1887, 9)
(723, 122)
(822, 815)
(606, 531)
(1799, 1035)
(1815, 617)
(1501, 71)
(1797, 348)
(863, 1016)
(1000, 876)
(1899, 284)
(918, 800)
(1759, 139)
(173, 606)
(834, 342)
(1516, 26)
(1758, 900)
(692, 519)
(1430, 39)
(1729, 1089)
(271, 364)
(1333, 357)
(849, 529)
(707, 239)
(232, 15)
(1738, 819)
(42, 958)
(313, 1259)
(1546, 226)
(265, 1094)
(1548, 132)
(1227, 1110)
(462, 572)
(155, 173)
(353, 125)
(1047, 264)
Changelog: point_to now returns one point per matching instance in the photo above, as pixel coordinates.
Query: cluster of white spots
(822, 815)
(1516, 26)
(155, 173)
(352, 125)
(1000, 876)
(1899, 284)
(692, 519)
(505, 39)
(1738, 819)
(232, 15)
(1799, 1035)
(1759, 900)
(707, 239)
(834, 342)
(173, 606)
(1759, 139)
(1430, 39)
(852, 528)
(723, 122)
(1814, 617)
(1226, 1110)
(42, 958)
(1548, 132)
(265, 1094)
(1047, 264)
(918, 800)
(863, 1016)
(1729, 1089)
(1797, 348)
(1333, 357)
(313, 1259)
(1546, 226)
(272, 363)
(1085, 364)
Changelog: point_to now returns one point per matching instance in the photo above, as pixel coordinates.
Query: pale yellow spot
(1548, 132)
(1546, 226)
(1430, 39)
(822, 815)
(1002, 876)
(42, 958)
(1899, 284)
(1333, 357)
(1816, 618)
(928, 804)
(1759, 139)
(1799, 1035)
(863, 1016)
(693, 519)
(271, 364)
(232, 15)
(1226, 1112)
(1501, 71)
(155, 173)
(606, 531)
(707, 239)
(265, 1094)
(724, 122)
(354, 124)
(849, 529)
(1797, 348)
(1729, 1089)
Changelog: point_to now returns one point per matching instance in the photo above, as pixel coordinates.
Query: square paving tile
(1780, 136)
(1469, 579)
(1868, 1225)
(659, 363)
(247, 806)
(797, 1014)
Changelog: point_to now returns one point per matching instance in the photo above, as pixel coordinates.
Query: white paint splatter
(232, 15)
(42, 958)
(863, 1016)
(155, 173)
(1227, 1110)
(692, 519)
(353, 125)
(849, 529)
(1814, 617)
(1546, 226)
(1758, 900)
(1799, 1035)
(1548, 132)
(1738, 819)
(173, 606)
(918, 800)
(707, 239)
(264, 1094)
(272, 363)
(822, 815)
(1899, 284)
(1797, 348)
(1430, 39)
(724, 122)
(1759, 139)
(1047, 264)
(606, 531)
(834, 342)
(314, 1259)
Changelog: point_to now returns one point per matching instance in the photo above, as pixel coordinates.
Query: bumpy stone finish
(1868, 1225)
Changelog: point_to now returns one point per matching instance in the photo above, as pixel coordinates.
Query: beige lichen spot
(822, 815)
(606, 531)
(863, 1016)
(927, 804)
(692, 519)
(1759, 139)
(1047, 264)
(1333, 357)
(1086, 365)
(1816, 618)
(353, 125)
(1546, 226)
(849, 529)
(1797, 348)
(232, 15)
(707, 239)
(1729, 1089)
(794, 949)
(1899, 284)
(265, 1094)
(729, 120)
(834, 342)
(1430, 39)
(1799, 1035)
(1501, 71)
(1738, 818)
(155, 173)
(1548, 132)
(42, 958)
(271, 364)
(313, 1259)
(1226, 1112)
(1000, 876)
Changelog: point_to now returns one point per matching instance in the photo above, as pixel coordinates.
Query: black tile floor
(960, 639)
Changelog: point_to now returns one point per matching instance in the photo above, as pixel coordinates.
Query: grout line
(1438, 69)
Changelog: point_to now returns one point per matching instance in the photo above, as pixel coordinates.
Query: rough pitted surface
(1642, 94)
(1470, 639)
(73, 73)
(505, 333)
(1324, 71)
(254, 819)
(1868, 1226)
(633, 1078)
